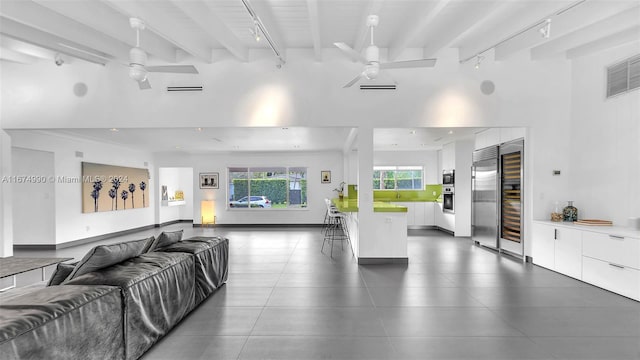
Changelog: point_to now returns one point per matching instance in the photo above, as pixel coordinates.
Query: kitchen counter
(612, 230)
(351, 205)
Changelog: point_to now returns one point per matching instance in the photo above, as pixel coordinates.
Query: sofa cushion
(62, 272)
(103, 256)
(165, 239)
(62, 322)
(211, 255)
(157, 291)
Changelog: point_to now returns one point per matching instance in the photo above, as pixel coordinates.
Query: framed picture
(165, 194)
(209, 181)
(325, 176)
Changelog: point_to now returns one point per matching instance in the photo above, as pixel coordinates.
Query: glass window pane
(388, 180)
(238, 187)
(268, 187)
(297, 187)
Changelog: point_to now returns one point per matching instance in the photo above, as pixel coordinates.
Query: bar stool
(336, 228)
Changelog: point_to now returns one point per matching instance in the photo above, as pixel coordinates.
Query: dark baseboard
(172, 222)
(258, 225)
(446, 231)
(380, 261)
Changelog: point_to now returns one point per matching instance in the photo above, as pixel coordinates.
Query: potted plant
(340, 190)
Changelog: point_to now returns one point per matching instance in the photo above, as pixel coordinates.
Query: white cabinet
(612, 262)
(558, 249)
(430, 213)
(605, 257)
(419, 213)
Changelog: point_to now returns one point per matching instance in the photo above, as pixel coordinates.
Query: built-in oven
(447, 199)
(448, 177)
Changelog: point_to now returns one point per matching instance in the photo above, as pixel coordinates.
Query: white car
(256, 201)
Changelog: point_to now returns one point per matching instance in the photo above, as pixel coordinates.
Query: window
(398, 177)
(267, 187)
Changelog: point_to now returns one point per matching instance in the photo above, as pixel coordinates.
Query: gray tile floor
(286, 300)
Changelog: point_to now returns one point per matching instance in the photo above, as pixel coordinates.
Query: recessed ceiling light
(394, 144)
(285, 128)
(450, 132)
(178, 147)
(114, 130)
(199, 129)
(296, 146)
(412, 132)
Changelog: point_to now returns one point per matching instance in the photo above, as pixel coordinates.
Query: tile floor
(286, 300)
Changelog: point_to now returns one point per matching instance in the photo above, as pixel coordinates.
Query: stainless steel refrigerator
(497, 202)
(484, 188)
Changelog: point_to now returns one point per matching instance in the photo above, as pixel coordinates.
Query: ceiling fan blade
(144, 84)
(180, 69)
(355, 80)
(354, 55)
(409, 64)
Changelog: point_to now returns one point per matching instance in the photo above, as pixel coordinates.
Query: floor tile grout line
(267, 301)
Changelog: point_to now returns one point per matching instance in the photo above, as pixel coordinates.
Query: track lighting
(545, 30)
(255, 32)
(479, 59)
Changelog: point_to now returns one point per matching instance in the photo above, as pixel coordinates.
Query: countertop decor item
(570, 212)
(594, 222)
(556, 215)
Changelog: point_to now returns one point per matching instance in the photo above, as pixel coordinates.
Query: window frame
(285, 172)
(395, 169)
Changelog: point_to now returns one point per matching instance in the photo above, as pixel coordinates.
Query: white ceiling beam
(623, 37)
(26, 48)
(29, 35)
(18, 57)
(459, 21)
(362, 38)
(263, 11)
(423, 19)
(312, 10)
(213, 26)
(609, 26)
(66, 29)
(562, 24)
(163, 25)
(516, 18)
(105, 19)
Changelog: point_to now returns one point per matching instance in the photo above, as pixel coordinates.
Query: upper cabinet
(496, 136)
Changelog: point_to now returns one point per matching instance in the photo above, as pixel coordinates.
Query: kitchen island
(389, 245)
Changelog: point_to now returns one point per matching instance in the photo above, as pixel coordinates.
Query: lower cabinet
(558, 249)
(606, 260)
(420, 213)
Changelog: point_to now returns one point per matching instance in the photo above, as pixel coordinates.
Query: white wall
(34, 212)
(427, 159)
(6, 211)
(71, 224)
(604, 148)
(219, 162)
(176, 178)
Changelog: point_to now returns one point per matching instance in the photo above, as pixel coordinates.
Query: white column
(366, 230)
(6, 211)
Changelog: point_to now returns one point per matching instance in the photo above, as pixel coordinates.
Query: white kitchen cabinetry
(612, 262)
(558, 249)
(419, 213)
(608, 257)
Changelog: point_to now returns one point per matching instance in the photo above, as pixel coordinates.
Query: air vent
(184, 88)
(79, 154)
(377, 87)
(624, 76)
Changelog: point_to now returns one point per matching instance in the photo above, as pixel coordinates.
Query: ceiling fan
(138, 59)
(372, 64)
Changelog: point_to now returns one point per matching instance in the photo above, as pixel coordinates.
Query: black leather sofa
(115, 312)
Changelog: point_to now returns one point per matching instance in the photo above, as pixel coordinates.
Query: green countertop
(351, 205)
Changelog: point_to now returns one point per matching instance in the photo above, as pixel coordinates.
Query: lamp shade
(208, 212)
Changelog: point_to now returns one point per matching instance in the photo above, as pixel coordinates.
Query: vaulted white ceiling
(99, 31)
